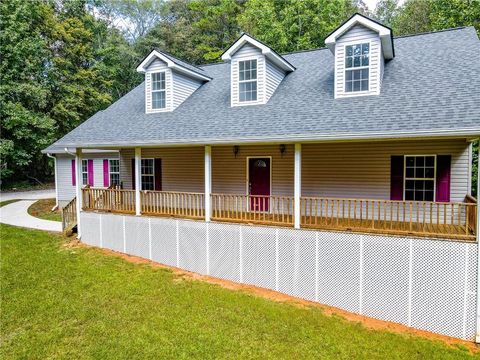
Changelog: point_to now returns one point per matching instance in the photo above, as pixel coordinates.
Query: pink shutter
(74, 172)
(396, 177)
(133, 174)
(443, 178)
(106, 173)
(90, 172)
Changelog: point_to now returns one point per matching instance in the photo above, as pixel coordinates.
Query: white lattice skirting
(425, 284)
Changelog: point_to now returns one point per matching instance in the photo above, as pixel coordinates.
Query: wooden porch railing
(189, 205)
(253, 208)
(435, 219)
(69, 215)
(472, 215)
(112, 200)
(395, 217)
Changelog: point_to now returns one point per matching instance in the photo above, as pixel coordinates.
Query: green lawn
(43, 210)
(71, 302)
(6, 202)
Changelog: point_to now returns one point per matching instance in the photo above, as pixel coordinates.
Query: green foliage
(60, 65)
(76, 302)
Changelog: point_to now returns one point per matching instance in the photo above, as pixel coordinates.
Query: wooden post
(138, 180)
(208, 182)
(297, 185)
(78, 188)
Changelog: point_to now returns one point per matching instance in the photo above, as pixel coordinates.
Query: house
(340, 175)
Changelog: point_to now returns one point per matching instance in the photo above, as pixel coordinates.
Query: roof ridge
(432, 32)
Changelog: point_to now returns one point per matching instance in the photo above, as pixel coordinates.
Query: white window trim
(235, 67)
(246, 81)
(164, 90)
(150, 175)
(415, 178)
(85, 172)
(110, 171)
(357, 93)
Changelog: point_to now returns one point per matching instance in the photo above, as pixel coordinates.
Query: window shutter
(158, 174)
(133, 174)
(90, 172)
(443, 178)
(74, 173)
(106, 173)
(396, 177)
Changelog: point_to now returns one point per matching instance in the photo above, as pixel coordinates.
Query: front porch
(453, 220)
(324, 186)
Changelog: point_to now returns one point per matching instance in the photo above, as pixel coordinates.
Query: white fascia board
(384, 33)
(417, 135)
(142, 68)
(269, 53)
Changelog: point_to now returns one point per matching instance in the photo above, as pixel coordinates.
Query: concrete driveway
(17, 214)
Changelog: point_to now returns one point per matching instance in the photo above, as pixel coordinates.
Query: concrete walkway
(27, 195)
(17, 214)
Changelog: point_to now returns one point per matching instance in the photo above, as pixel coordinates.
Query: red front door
(259, 183)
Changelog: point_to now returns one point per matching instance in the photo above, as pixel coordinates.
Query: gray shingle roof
(430, 88)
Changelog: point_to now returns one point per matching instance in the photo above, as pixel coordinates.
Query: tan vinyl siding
(362, 170)
(246, 52)
(274, 78)
(156, 66)
(182, 167)
(66, 191)
(229, 173)
(358, 34)
(183, 87)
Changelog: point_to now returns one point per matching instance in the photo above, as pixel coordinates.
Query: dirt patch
(368, 322)
(42, 209)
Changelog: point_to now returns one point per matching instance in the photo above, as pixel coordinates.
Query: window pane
(364, 85)
(348, 86)
(356, 86)
(428, 196)
(419, 161)
(365, 74)
(356, 61)
(429, 173)
(410, 161)
(409, 195)
(158, 100)
(429, 185)
(419, 172)
(410, 172)
(349, 50)
(158, 81)
(429, 160)
(349, 63)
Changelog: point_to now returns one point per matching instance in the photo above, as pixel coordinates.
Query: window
(84, 172)
(247, 80)
(158, 91)
(148, 174)
(356, 65)
(114, 171)
(420, 177)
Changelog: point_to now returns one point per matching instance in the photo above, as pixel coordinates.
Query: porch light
(236, 150)
(282, 149)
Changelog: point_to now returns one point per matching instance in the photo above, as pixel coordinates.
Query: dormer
(168, 81)
(360, 46)
(255, 71)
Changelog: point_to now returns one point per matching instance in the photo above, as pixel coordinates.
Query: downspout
(56, 180)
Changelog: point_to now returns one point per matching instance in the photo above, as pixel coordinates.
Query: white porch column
(208, 182)
(138, 179)
(297, 185)
(477, 337)
(78, 188)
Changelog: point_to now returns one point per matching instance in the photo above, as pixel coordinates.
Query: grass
(6, 202)
(77, 302)
(43, 209)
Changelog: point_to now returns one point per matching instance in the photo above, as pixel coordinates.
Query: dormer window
(357, 59)
(247, 80)
(158, 90)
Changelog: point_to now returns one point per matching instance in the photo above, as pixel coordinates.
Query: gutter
(410, 135)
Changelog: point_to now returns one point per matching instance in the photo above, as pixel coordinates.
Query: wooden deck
(403, 218)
